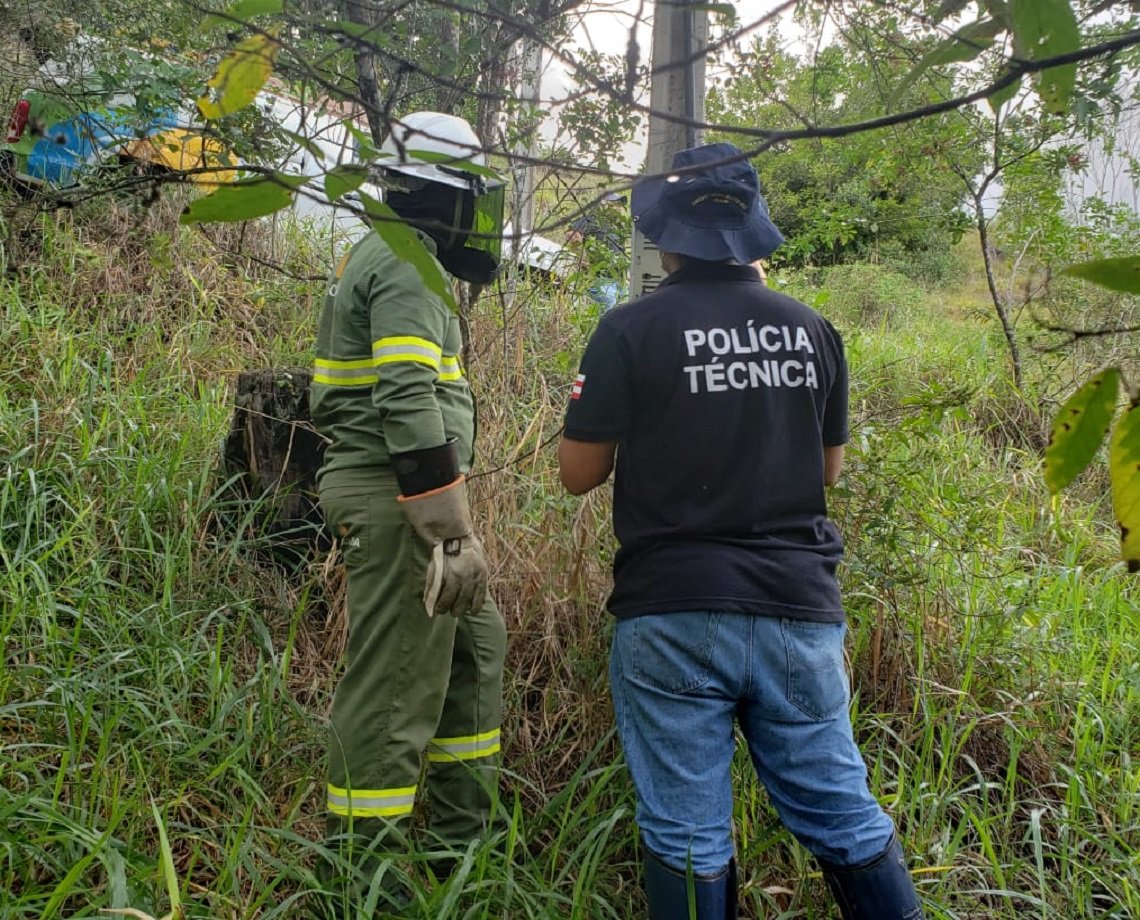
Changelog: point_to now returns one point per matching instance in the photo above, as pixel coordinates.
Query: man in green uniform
(426, 641)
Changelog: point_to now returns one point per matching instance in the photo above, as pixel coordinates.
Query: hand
(457, 570)
(456, 577)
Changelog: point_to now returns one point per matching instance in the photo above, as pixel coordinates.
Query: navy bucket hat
(709, 207)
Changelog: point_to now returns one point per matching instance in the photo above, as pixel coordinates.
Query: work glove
(457, 571)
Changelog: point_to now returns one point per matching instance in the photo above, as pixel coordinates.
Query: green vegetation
(163, 694)
(164, 689)
(891, 193)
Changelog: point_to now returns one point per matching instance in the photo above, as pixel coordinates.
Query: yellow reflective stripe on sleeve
(450, 368)
(406, 348)
(354, 364)
(344, 373)
(371, 803)
(466, 747)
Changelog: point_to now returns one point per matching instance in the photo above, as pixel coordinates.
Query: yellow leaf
(1124, 470)
(240, 76)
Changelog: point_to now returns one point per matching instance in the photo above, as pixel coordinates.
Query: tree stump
(270, 461)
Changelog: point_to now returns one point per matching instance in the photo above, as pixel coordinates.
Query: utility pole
(677, 88)
(525, 143)
(529, 117)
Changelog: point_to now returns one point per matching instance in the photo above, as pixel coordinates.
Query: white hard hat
(450, 142)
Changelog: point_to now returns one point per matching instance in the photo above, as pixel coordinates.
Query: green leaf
(240, 76)
(116, 877)
(306, 144)
(1124, 470)
(366, 34)
(1079, 429)
(365, 148)
(1044, 29)
(407, 246)
(1000, 97)
(343, 179)
(964, 45)
(1121, 274)
(244, 199)
(967, 43)
(243, 11)
(169, 874)
(949, 8)
(999, 10)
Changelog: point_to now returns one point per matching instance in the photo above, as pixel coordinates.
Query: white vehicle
(539, 254)
(319, 141)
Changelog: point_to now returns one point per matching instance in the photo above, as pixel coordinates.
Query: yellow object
(183, 150)
(371, 803)
(466, 747)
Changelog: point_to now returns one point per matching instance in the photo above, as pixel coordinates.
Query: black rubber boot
(877, 890)
(714, 897)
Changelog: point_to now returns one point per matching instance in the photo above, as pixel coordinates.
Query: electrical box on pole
(677, 103)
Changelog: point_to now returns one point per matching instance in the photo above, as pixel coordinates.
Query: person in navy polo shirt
(724, 404)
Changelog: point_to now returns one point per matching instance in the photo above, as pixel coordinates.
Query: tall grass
(163, 695)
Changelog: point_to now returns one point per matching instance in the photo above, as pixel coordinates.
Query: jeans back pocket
(673, 651)
(817, 676)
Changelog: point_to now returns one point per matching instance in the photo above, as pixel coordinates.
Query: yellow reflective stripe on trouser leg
(356, 373)
(465, 747)
(371, 803)
(406, 348)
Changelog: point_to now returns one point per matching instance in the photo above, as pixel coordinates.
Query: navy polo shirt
(721, 395)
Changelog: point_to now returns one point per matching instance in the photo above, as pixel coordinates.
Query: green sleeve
(408, 324)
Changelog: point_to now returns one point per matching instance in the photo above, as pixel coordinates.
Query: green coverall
(387, 380)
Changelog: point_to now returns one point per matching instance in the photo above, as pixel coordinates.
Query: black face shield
(465, 222)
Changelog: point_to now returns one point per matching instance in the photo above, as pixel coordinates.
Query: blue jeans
(681, 680)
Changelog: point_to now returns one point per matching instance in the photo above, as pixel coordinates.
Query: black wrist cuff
(419, 471)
